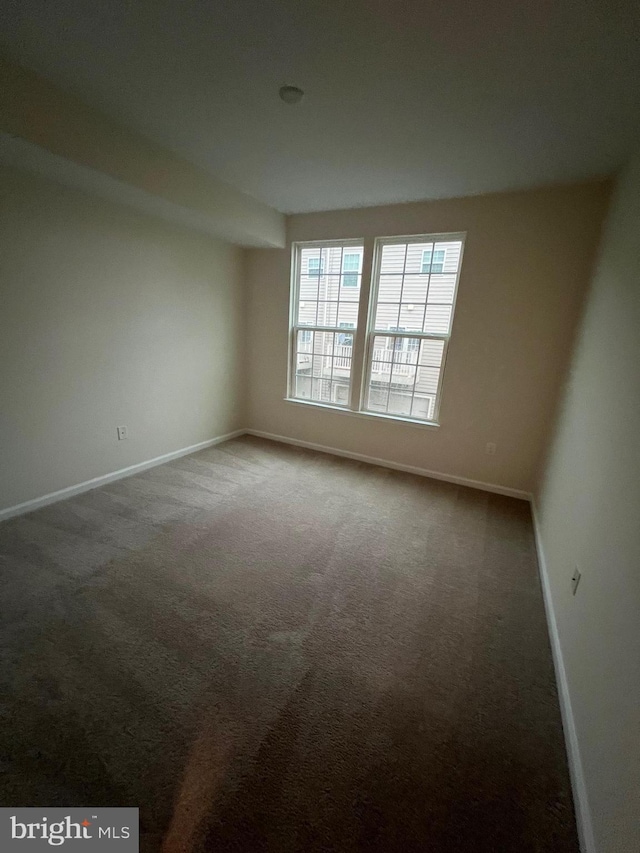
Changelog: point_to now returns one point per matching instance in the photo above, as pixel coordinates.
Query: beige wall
(589, 515)
(526, 265)
(108, 317)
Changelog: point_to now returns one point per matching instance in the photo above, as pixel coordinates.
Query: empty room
(319, 448)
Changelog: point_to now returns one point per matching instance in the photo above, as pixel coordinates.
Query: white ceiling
(405, 99)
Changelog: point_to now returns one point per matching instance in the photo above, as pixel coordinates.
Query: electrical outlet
(490, 449)
(575, 580)
(123, 433)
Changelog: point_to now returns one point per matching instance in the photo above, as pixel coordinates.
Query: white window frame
(364, 332)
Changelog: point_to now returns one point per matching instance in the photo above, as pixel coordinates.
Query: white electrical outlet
(123, 433)
(575, 580)
(490, 449)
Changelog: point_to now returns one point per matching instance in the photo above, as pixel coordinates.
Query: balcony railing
(404, 361)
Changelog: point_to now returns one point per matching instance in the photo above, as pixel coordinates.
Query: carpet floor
(271, 649)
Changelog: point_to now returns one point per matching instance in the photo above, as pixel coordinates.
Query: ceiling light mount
(291, 94)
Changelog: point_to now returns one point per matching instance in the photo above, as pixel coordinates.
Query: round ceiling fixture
(291, 94)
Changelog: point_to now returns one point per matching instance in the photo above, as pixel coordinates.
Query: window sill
(368, 415)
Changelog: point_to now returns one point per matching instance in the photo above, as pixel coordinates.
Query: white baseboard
(70, 491)
(386, 463)
(578, 784)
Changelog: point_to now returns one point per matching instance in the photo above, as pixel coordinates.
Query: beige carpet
(270, 649)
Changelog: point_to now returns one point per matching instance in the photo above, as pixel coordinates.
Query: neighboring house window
(351, 268)
(433, 261)
(400, 332)
(315, 265)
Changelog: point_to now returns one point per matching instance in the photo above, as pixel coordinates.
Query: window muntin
(410, 308)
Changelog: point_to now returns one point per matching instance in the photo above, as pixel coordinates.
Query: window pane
(411, 317)
(330, 288)
(307, 313)
(387, 315)
(437, 319)
(323, 366)
(304, 341)
(348, 313)
(302, 387)
(345, 339)
(416, 286)
(405, 373)
(334, 393)
(340, 392)
(323, 343)
(351, 291)
(450, 252)
(427, 257)
(433, 260)
(327, 314)
(423, 407)
(334, 260)
(392, 259)
(304, 349)
(308, 289)
(382, 349)
(441, 288)
(351, 268)
(312, 261)
(417, 254)
(328, 276)
(389, 288)
(431, 353)
(328, 294)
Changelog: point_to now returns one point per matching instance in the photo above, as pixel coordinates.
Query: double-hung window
(396, 296)
(324, 306)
